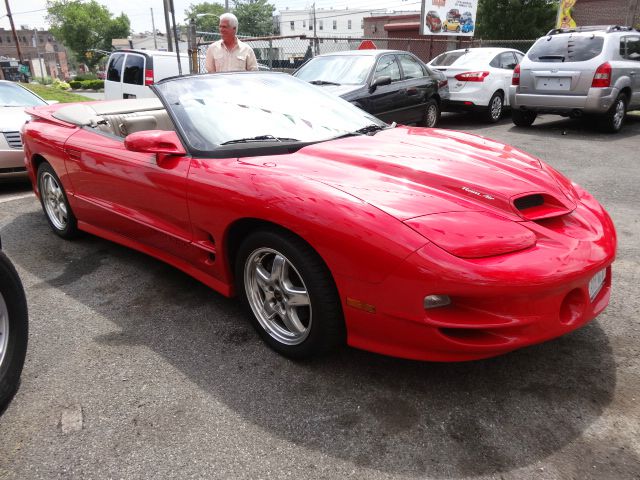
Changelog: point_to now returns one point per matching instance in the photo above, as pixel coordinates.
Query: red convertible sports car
(331, 225)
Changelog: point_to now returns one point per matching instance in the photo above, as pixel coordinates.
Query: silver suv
(584, 70)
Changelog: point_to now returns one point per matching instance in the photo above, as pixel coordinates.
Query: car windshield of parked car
(340, 69)
(219, 109)
(15, 96)
(460, 58)
(566, 48)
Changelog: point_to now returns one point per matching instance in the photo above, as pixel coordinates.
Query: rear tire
(495, 108)
(14, 330)
(431, 114)
(290, 295)
(55, 204)
(523, 118)
(613, 120)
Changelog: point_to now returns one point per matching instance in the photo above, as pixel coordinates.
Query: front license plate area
(596, 283)
(553, 83)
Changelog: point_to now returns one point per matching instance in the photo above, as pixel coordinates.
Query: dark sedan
(393, 85)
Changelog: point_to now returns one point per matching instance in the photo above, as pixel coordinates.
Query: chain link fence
(287, 53)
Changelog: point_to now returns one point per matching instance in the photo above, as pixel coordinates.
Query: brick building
(45, 55)
(395, 28)
(607, 12)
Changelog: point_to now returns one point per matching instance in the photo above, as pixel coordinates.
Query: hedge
(87, 84)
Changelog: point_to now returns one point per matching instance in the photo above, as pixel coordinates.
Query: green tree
(86, 27)
(255, 17)
(515, 19)
(210, 18)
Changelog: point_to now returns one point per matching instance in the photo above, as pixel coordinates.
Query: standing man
(230, 54)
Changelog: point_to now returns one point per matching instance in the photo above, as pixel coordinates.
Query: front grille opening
(529, 201)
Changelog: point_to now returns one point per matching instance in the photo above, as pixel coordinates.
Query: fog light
(435, 301)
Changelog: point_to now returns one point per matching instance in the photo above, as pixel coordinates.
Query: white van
(130, 72)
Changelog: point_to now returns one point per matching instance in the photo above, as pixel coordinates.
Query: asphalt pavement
(135, 370)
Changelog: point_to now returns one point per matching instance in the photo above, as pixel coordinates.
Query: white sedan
(13, 100)
(479, 79)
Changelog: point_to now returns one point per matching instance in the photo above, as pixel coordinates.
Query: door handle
(412, 91)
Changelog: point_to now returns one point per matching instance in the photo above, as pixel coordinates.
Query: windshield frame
(250, 149)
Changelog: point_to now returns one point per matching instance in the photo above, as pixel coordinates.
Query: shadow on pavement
(390, 415)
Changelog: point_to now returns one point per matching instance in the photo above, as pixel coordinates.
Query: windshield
(566, 48)
(14, 96)
(340, 69)
(212, 110)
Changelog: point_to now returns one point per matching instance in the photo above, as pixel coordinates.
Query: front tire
(290, 294)
(55, 204)
(431, 114)
(495, 108)
(522, 118)
(614, 118)
(14, 330)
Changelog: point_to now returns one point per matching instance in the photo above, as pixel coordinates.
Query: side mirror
(165, 142)
(384, 80)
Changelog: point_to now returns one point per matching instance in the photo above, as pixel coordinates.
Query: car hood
(12, 118)
(341, 90)
(410, 172)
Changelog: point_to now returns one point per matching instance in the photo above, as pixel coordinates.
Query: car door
(387, 101)
(504, 63)
(129, 193)
(630, 52)
(419, 84)
(113, 80)
(133, 77)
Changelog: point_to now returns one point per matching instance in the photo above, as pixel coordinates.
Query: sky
(33, 12)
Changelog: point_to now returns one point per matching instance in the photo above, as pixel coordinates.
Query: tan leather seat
(135, 124)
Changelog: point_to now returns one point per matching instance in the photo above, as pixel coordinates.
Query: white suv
(580, 71)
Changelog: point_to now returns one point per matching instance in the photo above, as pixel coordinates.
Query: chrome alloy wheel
(278, 296)
(54, 202)
(432, 115)
(4, 329)
(496, 107)
(618, 115)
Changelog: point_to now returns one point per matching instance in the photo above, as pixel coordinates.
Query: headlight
(473, 234)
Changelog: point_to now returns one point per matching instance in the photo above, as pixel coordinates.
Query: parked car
(13, 329)
(331, 225)
(433, 22)
(14, 98)
(479, 79)
(393, 85)
(131, 72)
(466, 17)
(451, 25)
(579, 71)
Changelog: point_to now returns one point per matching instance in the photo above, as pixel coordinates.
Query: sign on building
(448, 17)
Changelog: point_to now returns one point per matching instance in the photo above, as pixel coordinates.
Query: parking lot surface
(135, 370)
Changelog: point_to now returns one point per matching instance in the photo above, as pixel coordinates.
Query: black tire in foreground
(14, 330)
(290, 294)
(523, 118)
(55, 204)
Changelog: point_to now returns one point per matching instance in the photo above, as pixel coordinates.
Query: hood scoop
(538, 206)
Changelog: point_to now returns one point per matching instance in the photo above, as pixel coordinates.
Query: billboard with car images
(448, 17)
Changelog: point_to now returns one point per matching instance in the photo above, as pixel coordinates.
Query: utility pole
(167, 24)
(226, 6)
(13, 29)
(315, 35)
(153, 26)
(175, 36)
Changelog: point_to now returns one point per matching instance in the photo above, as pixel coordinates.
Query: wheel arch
(241, 228)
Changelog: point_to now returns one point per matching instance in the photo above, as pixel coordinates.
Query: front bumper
(597, 101)
(12, 163)
(499, 303)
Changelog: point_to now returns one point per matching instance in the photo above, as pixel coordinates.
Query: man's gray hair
(233, 20)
